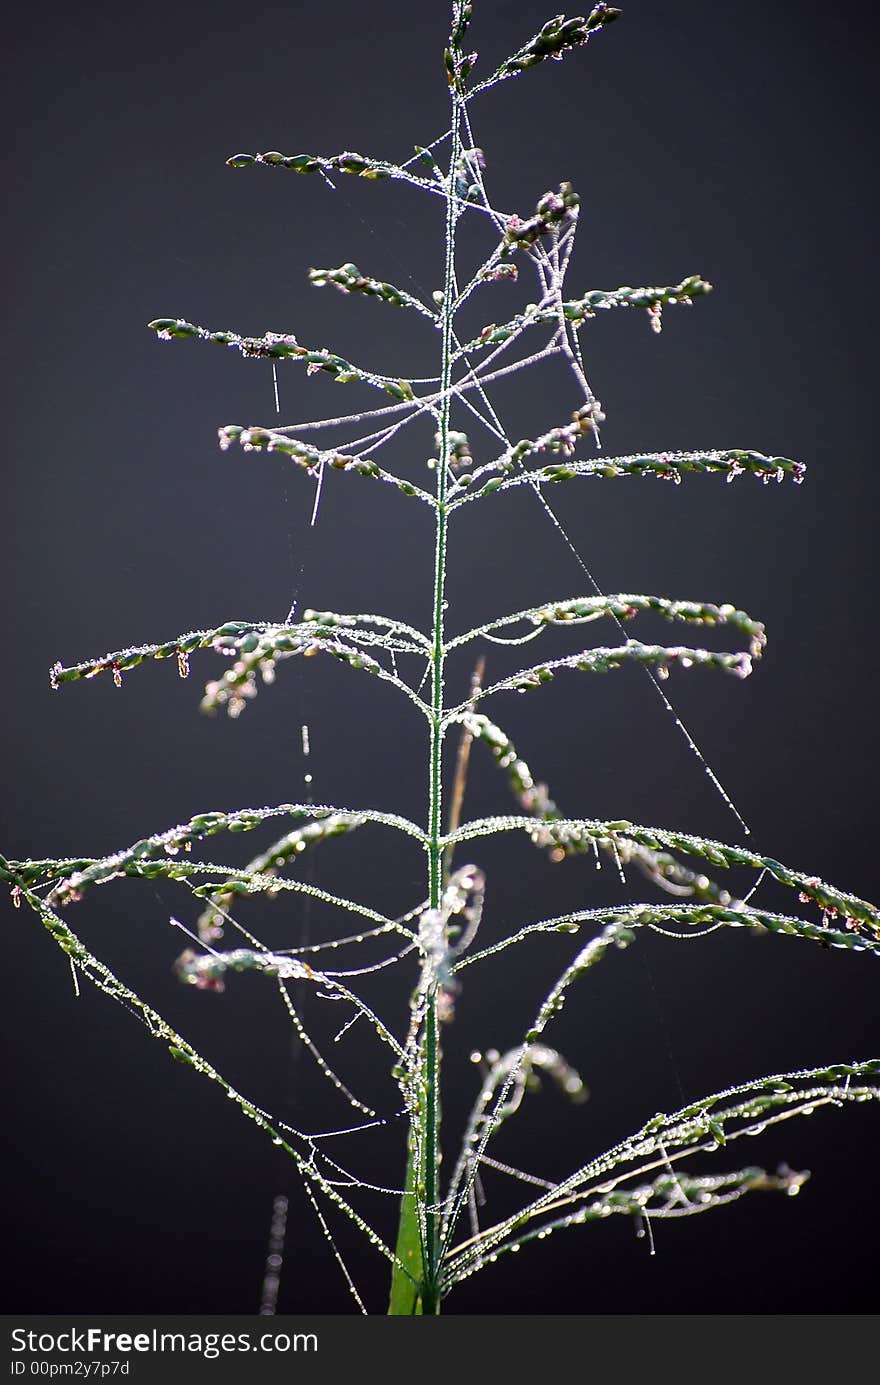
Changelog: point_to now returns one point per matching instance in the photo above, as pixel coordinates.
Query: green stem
(431, 1120)
(422, 1179)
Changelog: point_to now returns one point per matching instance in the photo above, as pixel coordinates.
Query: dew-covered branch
(664, 870)
(235, 638)
(348, 279)
(622, 606)
(577, 311)
(153, 851)
(516, 1072)
(280, 346)
(281, 853)
(702, 915)
(857, 916)
(667, 466)
(257, 649)
(603, 660)
(220, 880)
(179, 1048)
(480, 1131)
(669, 1195)
(702, 1126)
(556, 38)
(207, 970)
(313, 458)
(358, 165)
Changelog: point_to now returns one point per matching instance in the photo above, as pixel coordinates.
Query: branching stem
(429, 1142)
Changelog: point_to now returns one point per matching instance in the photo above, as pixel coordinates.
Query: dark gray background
(732, 141)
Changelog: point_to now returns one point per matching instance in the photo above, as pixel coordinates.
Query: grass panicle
(659, 1171)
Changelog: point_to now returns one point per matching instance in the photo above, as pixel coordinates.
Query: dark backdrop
(734, 141)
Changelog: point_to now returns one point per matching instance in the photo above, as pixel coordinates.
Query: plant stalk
(423, 1174)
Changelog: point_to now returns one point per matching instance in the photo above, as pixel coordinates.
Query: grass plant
(444, 1234)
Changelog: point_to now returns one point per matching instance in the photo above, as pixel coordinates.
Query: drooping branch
(664, 870)
(556, 38)
(670, 1194)
(480, 1131)
(348, 279)
(703, 915)
(858, 916)
(577, 311)
(256, 648)
(179, 1048)
(207, 970)
(274, 859)
(603, 660)
(618, 931)
(665, 1140)
(513, 1071)
(622, 606)
(279, 346)
(155, 850)
(358, 165)
(668, 466)
(312, 458)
